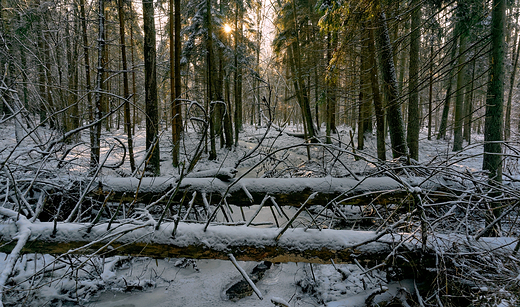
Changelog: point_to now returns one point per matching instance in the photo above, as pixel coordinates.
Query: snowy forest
(259, 153)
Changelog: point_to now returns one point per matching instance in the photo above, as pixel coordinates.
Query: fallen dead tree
(191, 241)
(285, 191)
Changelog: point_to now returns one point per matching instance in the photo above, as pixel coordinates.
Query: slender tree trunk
(175, 53)
(126, 90)
(106, 84)
(394, 115)
(492, 161)
(72, 116)
(301, 91)
(238, 75)
(364, 101)
(459, 98)
(150, 80)
(507, 124)
(211, 82)
(376, 98)
(331, 82)
(468, 105)
(414, 118)
(134, 85)
(94, 155)
(446, 109)
(430, 92)
(257, 67)
(95, 131)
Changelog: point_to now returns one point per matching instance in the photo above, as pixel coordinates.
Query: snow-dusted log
(246, 243)
(286, 191)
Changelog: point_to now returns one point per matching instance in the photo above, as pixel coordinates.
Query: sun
(227, 28)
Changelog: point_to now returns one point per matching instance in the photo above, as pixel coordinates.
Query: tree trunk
(394, 115)
(468, 105)
(414, 118)
(175, 75)
(95, 131)
(430, 92)
(238, 75)
(493, 125)
(71, 120)
(331, 82)
(211, 82)
(364, 101)
(126, 90)
(150, 80)
(507, 124)
(459, 98)
(446, 109)
(376, 98)
(300, 88)
(134, 84)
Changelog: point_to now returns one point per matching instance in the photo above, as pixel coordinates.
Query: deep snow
(162, 283)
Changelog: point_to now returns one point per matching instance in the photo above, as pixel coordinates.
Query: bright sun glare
(227, 28)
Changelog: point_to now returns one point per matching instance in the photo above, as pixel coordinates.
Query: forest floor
(126, 282)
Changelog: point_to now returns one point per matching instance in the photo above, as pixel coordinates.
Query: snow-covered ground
(125, 282)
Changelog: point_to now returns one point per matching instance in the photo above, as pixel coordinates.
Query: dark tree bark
(507, 123)
(430, 93)
(150, 80)
(468, 105)
(71, 120)
(414, 119)
(86, 58)
(459, 98)
(364, 122)
(394, 115)
(95, 131)
(238, 73)
(493, 125)
(211, 82)
(495, 96)
(331, 82)
(126, 90)
(175, 75)
(376, 98)
(302, 94)
(446, 108)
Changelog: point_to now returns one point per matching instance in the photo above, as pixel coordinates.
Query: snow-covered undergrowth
(446, 204)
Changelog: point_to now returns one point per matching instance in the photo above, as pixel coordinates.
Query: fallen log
(249, 191)
(190, 241)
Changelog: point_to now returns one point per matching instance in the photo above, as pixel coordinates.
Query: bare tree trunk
(175, 75)
(71, 120)
(414, 118)
(238, 74)
(493, 125)
(394, 115)
(446, 109)
(151, 103)
(95, 131)
(468, 105)
(211, 82)
(459, 98)
(301, 91)
(364, 101)
(376, 98)
(126, 90)
(430, 92)
(331, 82)
(134, 86)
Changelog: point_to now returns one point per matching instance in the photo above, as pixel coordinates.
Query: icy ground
(120, 282)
